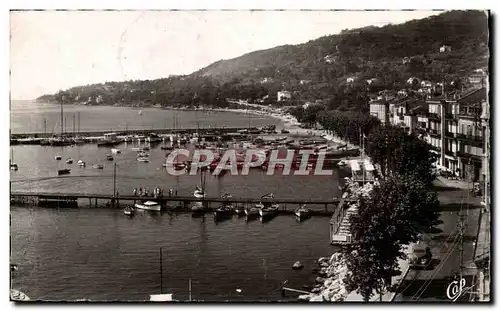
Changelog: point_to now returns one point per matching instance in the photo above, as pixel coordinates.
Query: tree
(399, 152)
(393, 215)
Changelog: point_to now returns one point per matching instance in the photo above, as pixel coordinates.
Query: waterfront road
(430, 284)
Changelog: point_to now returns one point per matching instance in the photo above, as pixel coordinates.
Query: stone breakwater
(330, 281)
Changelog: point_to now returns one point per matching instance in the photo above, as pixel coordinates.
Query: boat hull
(223, 214)
(197, 210)
(156, 208)
(251, 211)
(263, 212)
(302, 214)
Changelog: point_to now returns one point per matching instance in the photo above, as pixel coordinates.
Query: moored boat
(58, 157)
(143, 159)
(78, 141)
(116, 150)
(13, 167)
(129, 211)
(268, 210)
(109, 157)
(302, 212)
(69, 161)
(251, 211)
(223, 211)
(199, 193)
(16, 295)
(146, 148)
(197, 208)
(149, 206)
(63, 171)
(80, 163)
(342, 163)
(239, 210)
(98, 166)
(142, 155)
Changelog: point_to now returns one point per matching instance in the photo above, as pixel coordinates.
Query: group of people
(157, 192)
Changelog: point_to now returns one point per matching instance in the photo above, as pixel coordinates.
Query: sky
(56, 50)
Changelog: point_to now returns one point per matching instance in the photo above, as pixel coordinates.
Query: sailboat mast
(62, 125)
(161, 271)
(74, 125)
(190, 299)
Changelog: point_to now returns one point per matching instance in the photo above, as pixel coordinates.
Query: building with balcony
(455, 128)
(379, 108)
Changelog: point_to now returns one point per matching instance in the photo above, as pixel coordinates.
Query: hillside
(319, 69)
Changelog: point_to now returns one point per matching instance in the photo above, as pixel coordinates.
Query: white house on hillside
(282, 95)
(445, 48)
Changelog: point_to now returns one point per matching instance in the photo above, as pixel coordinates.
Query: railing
(337, 217)
(433, 116)
(433, 132)
(466, 155)
(431, 147)
(474, 138)
(449, 134)
(449, 116)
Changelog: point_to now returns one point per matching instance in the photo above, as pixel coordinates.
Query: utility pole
(462, 220)
(45, 126)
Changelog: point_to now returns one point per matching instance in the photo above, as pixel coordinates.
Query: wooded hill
(319, 69)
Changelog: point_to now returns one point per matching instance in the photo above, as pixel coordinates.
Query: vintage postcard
(250, 156)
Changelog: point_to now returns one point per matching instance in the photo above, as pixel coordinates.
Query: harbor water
(100, 254)
(31, 117)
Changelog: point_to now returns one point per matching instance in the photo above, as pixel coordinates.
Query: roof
(473, 97)
(378, 102)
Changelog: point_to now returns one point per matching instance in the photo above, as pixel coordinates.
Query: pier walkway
(42, 198)
(126, 132)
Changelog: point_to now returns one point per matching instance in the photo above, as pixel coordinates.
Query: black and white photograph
(294, 156)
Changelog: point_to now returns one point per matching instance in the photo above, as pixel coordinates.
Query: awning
(354, 165)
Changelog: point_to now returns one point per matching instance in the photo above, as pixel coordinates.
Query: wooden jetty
(218, 130)
(323, 207)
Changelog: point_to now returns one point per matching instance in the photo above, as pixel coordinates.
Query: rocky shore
(329, 283)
